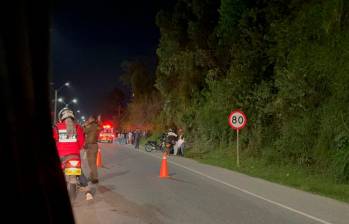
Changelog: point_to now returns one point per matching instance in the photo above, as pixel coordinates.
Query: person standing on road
(129, 140)
(137, 137)
(170, 141)
(124, 137)
(92, 129)
(133, 138)
(179, 148)
(119, 137)
(70, 139)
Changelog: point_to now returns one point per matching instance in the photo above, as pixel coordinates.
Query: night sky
(91, 38)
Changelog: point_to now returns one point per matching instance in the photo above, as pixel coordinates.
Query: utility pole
(67, 84)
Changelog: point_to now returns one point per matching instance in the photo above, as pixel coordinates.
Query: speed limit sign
(237, 120)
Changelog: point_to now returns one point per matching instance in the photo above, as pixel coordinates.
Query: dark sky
(91, 38)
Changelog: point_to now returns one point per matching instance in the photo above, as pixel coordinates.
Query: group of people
(174, 142)
(131, 137)
(73, 139)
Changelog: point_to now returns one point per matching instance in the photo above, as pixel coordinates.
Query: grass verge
(289, 175)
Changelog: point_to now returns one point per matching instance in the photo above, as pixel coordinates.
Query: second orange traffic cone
(99, 159)
(164, 168)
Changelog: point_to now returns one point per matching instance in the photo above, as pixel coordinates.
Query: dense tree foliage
(283, 62)
(145, 104)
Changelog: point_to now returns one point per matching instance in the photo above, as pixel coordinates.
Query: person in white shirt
(130, 135)
(179, 147)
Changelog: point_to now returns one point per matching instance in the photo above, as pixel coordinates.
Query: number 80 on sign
(237, 120)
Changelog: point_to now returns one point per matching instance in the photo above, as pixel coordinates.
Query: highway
(130, 191)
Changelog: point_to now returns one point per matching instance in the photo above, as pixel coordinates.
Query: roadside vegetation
(290, 174)
(283, 62)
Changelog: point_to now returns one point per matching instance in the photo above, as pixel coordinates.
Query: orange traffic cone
(99, 159)
(163, 168)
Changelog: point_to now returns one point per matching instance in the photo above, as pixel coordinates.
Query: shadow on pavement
(146, 213)
(112, 175)
(114, 208)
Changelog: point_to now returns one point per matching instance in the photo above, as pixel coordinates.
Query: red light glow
(73, 163)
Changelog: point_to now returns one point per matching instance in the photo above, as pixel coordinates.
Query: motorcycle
(153, 145)
(163, 146)
(72, 171)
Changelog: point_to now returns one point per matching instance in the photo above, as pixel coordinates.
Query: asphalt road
(130, 191)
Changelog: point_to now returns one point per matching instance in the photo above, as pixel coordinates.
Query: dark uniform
(92, 131)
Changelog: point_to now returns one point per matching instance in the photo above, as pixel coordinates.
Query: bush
(341, 164)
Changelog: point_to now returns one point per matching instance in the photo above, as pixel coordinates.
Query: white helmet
(65, 113)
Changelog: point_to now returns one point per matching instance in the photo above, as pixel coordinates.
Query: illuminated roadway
(130, 191)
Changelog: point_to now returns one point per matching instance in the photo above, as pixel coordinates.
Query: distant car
(107, 134)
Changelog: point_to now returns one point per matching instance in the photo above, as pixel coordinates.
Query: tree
(136, 75)
(284, 62)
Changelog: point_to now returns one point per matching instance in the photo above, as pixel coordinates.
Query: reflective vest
(68, 145)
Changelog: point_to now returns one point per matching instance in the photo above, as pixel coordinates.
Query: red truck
(106, 134)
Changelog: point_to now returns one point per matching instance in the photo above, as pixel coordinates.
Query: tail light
(73, 163)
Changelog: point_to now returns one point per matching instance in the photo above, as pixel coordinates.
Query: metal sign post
(237, 149)
(237, 120)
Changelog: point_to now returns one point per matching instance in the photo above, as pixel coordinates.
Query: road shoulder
(315, 207)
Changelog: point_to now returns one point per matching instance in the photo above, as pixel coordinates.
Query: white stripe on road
(245, 191)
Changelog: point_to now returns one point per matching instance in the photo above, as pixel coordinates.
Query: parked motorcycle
(154, 146)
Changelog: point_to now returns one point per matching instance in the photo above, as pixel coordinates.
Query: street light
(60, 100)
(67, 84)
(74, 101)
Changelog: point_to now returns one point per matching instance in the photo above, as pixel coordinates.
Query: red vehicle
(106, 134)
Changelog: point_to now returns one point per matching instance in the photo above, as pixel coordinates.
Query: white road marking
(245, 191)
